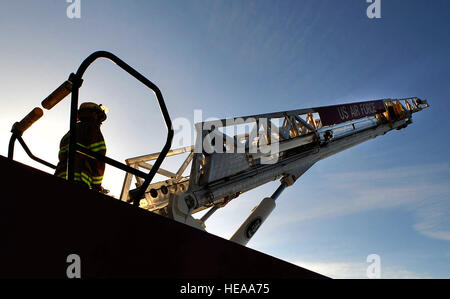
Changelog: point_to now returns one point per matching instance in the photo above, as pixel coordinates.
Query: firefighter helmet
(86, 109)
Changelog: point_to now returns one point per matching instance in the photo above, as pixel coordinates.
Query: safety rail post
(17, 131)
(20, 127)
(76, 84)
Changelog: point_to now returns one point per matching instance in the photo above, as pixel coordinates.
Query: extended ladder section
(232, 156)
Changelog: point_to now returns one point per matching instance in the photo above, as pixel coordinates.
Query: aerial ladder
(230, 156)
(276, 146)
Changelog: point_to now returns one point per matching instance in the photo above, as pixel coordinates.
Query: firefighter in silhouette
(87, 171)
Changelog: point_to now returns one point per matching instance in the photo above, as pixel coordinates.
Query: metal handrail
(72, 85)
(17, 135)
(74, 109)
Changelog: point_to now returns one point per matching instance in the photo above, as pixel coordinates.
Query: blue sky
(389, 196)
